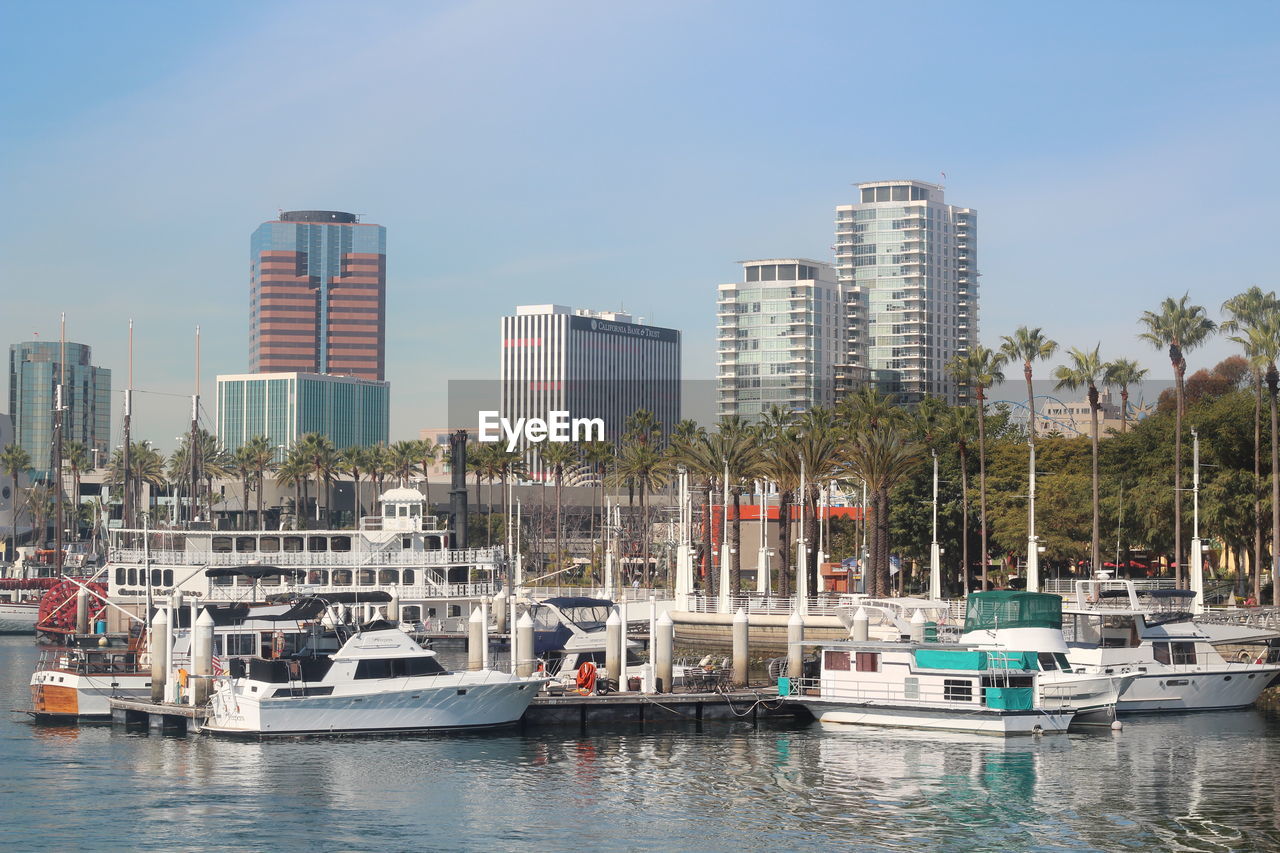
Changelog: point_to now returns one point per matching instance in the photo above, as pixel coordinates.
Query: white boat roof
(381, 644)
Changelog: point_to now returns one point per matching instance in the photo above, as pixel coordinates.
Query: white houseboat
(929, 686)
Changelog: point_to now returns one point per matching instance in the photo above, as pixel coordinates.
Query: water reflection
(1202, 782)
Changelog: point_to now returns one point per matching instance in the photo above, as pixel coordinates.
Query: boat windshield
(590, 618)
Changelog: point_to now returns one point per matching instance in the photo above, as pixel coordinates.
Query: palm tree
(738, 448)
(1086, 370)
(40, 502)
(243, 461)
(1263, 343)
(692, 449)
(1124, 372)
(352, 460)
(15, 462)
(781, 466)
(379, 465)
(262, 456)
(322, 463)
(428, 457)
(294, 471)
(404, 459)
(1246, 311)
(643, 467)
(556, 456)
(75, 455)
(1180, 327)
(818, 446)
(979, 368)
(881, 457)
(597, 456)
(959, 428)
(1027, 346)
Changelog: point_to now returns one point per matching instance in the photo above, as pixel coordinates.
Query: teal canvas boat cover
(1001, 608)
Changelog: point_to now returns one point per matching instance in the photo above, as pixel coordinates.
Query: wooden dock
(614, 709)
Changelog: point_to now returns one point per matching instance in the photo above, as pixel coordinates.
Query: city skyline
(1075, 143)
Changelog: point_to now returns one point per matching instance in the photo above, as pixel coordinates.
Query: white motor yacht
(380, 680)
(1173, 660)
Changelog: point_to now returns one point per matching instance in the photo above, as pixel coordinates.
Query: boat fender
(586, 679)
(182, 678)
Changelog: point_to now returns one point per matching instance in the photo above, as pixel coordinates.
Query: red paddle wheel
(58, 606)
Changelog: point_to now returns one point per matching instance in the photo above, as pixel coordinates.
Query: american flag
(217, 665)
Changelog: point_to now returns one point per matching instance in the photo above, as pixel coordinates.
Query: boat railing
(770, 605)
(318, 559)
(625, 594)
(922, 695)
(404, 592)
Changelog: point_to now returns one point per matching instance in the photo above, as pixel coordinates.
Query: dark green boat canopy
(1001, 608)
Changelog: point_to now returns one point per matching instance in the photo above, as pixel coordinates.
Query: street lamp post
(1033, 552)
(935, 550)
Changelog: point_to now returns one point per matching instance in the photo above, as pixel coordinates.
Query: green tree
(262, 459)
(243, 463)
(881, 457)
(76, 456)
(558, 457)
(353, 460)
(737, 446)
(643, 466)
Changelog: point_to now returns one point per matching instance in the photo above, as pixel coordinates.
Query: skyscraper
(780, 335)
(906, 261)
(317, 295)
(34, 373)
(347, 410)
(589, 364)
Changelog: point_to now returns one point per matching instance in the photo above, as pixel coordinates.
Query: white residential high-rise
(780, 335)
(589, 364)
(906, 262)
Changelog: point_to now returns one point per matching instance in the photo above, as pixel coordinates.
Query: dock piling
(475, 639)
(663, 643)
(524, 637)
(740, 628)
(159, 654)
(795, 649)
(614, 668)
(861, 628)
(202, 658)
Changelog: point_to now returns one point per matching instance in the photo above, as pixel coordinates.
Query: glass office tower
(34, 372)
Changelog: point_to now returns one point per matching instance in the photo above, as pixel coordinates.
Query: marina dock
(745, 705)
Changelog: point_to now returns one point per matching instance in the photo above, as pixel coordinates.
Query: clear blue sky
(605, 156)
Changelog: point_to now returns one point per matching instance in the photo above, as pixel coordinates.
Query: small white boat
(929, 686)
(74, 682)
(18, 617)
(1172, 659)
(380, 680)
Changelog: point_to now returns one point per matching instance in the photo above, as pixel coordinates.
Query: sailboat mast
(126, 479)
(58, 405)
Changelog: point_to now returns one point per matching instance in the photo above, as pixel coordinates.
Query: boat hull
(58, 695)
(449, 706)
(18, 618)
(985, 721)
(1215, 690)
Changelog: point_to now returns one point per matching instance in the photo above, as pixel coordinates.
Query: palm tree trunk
(559, 521)
(258, 514)
(882, 522)
(244, 522)
(982, 481)
(1179, 574)
(784, 542)
(708, 570)
(964, 521)
(644, 532)
(1257, 487)
(355, 488)
(1272, 381)
(1095, 553)
(735, 552)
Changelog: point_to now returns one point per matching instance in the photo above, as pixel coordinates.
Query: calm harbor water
(1192, 782)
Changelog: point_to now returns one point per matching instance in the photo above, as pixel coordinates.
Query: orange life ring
(586, 679)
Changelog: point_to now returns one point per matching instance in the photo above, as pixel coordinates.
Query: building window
(836, 661)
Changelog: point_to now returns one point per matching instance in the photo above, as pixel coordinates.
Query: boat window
(342, 577)
(133, 577)
(317, 543)
(365, 577)
(120, 575)
(341, 543)
(1161, 652)
(245, 545)
(957, 690)
(241, 644)
(222, 580)
(544, 618)
(388, 576)
(867, 661)
(406, 577)
(406, 542)
(1184, 654)
(156, 577)
(1063, 663)
(911, 688)
(398, 667)
(269, 543)
(1048, 663)
(454, 609)
(318, 576)
(221, 545)
(293, 544)
(838, 661)
(411, 612)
